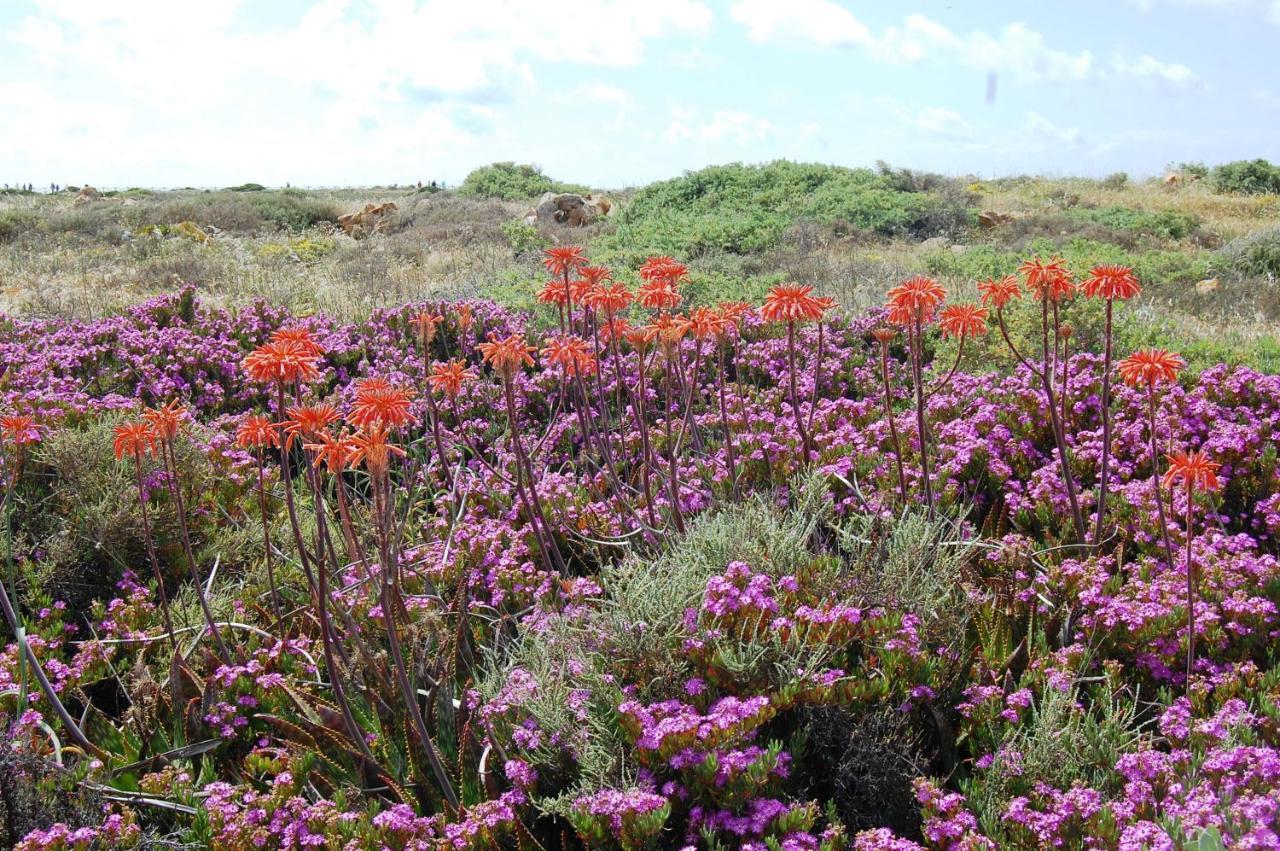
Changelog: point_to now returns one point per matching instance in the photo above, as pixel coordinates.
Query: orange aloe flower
(1111, 282)
(447, 378)
(425, 323)
(793, 303)
(136, 440)
(663, 269)
(19, 430)
(563, 258)
(285, 361)
(507, 355)
(257, 432)
(570, 354)
(611, 298)
(381, 405)
(963, 320)
(614, 329)
(733, 313)
(300, 336)
(1195, 469)
(667, 328)
(884, 335)
(706, 323)
(997, 292)
(307, 422)
(919, 295)
(658, 294)
(552, 292)
(1049, 281)
(1150, 366)
(369, 447)
(166, 421)
(465, 317)
(333, 453)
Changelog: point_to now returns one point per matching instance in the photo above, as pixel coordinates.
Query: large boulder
(569, 208)
(364, 222)
(87, 195)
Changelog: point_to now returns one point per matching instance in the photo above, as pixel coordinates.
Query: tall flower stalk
(137, 440)
(508, 356)
(1110, 283)
(884, 335)
(257, 434)
(1148, 368)
(1197, 473)
(912, 305)
(166, 423)
(793, 304)
(1051, 284)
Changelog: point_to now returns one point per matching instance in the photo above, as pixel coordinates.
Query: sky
(166, 93)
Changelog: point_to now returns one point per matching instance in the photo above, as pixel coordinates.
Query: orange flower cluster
(553, 292)
(167, 421)
(137, 440)
(1150, 366)
(19, 430)
(998, 292)
(706, 323)
(610, 299)
(963, 320)
(658, 294)
(571, 354)
(307, 422)
(378, 403)
(507, 355)
(300, 337)
(1194, 469)
(794, 303)
(257, 432)
(664, 269)
(448, 378)
(1111, 283)
(287, 362)
(1049, 281)
(425, 323)
(915, 300)
(563, 259)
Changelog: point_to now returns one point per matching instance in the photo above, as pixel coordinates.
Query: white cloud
(1268, 10)
(1017, 49)
(1045, 131)
(1146, 67)
(944, 123)
(601, 93)
(724, 125)
(205, 92)
(818, 21)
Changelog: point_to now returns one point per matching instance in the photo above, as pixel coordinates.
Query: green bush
(14, 223)
(1254, 255)
(523, 237)
(292, 212)
(247, 187)
(1165, 224)
(745, 209)
(1246, 177)
(511, 182)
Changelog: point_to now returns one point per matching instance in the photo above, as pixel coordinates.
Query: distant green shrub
(247, 187)
(743, 209)
(1165, 224)
(1197, 170)
(293, 212)
(1246, 177)
(1116, 180)
(511, 182)
(14, 223)
(1254, 255)
(523, 237)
